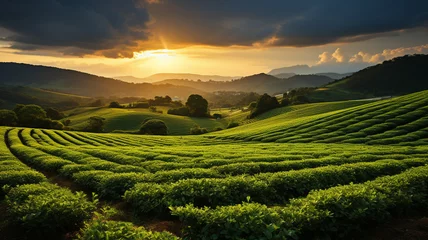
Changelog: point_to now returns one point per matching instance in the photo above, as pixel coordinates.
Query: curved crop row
(267, 188)
(332, 213)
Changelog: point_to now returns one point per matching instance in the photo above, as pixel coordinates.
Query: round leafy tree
(154, 127)
(197, 105)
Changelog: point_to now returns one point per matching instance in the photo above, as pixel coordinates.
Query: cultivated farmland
(312, 171)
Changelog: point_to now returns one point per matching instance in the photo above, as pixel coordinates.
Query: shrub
(115, 105)
(100, 228)
(17, 177)
(141, 105)
(152, 109)
(8, 118)
(54, 114)
(48, 208)
(183, 111)
(217, 116)
(324, 214)
(197, 130)
(154, 127)
(95, 124)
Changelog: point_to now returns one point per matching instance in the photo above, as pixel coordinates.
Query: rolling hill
(399, 120)
(79, 83)
(400, 75)
(131, 119)
(260, 83)
(164, 76)
(12, 95)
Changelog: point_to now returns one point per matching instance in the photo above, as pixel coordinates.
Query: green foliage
(265, 188)
(46, 207)
(331, 213)
(115, 105)
(154, 127)
(197, 130)
(182, 111)
(95, 124)
(28, 115)
(8, 118)
(197, 105)
(100, 228)
(264, 104)
(54, 114)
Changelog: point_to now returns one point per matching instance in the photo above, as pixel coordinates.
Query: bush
(152, 109)
(8, 118)
(115, 105)
(217, 116)
(17, 177)
(183, 111)
(141, 105)
(100, 228)
(48, 208)
(154, 127)
(95, 124)
(324, 214)
(54, 114)
(285, 102)
(197, 130)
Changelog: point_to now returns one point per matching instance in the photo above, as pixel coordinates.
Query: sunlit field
(348, 165)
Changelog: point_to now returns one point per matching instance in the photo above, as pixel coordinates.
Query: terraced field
(229, 185)
(402, 120)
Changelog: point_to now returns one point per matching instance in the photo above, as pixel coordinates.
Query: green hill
(260, 83)
(79, 83)
(131, 119)
(396, 120)
(394, 77)
(12, 95)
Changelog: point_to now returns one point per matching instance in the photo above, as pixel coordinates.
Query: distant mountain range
(260, 83)
(331, 75)
(163, 76)
(79, 83)
(329, 70)
(74, 82)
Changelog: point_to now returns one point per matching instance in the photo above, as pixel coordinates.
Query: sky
(221, 37)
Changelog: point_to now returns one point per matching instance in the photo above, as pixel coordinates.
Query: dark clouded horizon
(118, 28)
(223, 37)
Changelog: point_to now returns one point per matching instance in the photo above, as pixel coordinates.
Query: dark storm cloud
(116, 28)
(293, 23)
(89, 25)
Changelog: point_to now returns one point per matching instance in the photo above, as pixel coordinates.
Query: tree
(8, 118)
(197, 105)
(95, 124)
(154, 127)
(114, 105)
(264, 104)
(54, 114)
(28, 115)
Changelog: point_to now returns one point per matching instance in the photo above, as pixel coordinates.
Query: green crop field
(312, 171)
(131, 119)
